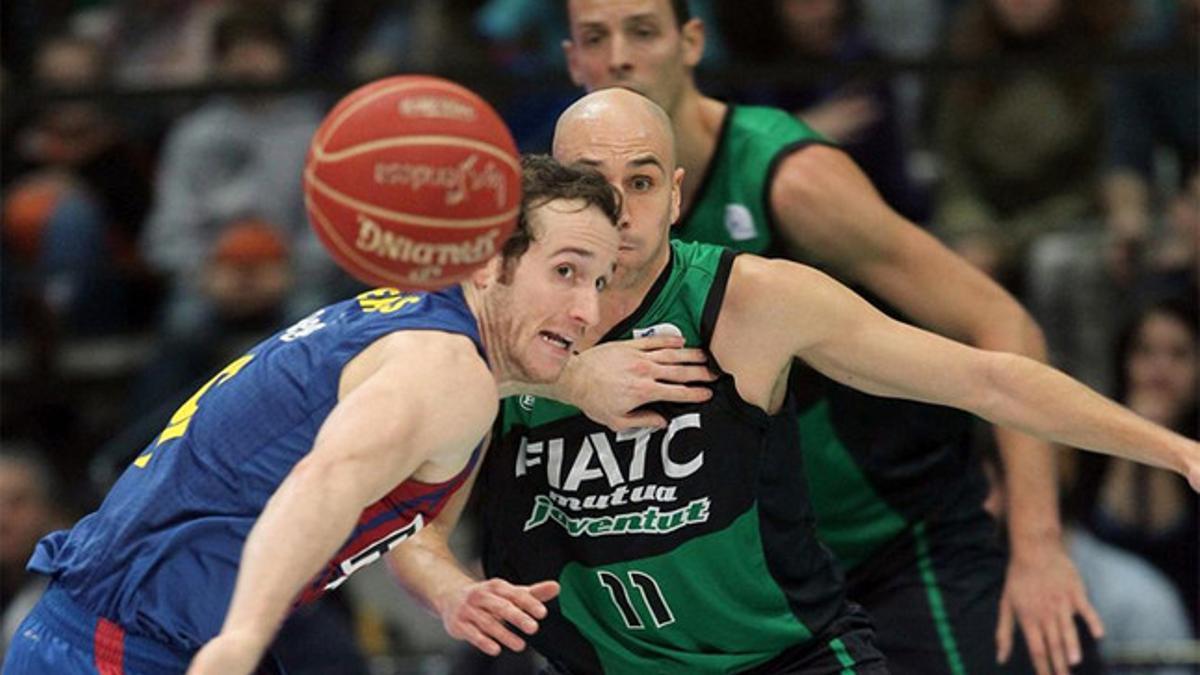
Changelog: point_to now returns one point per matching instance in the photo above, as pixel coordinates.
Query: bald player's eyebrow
(648, 160)
(584, 253)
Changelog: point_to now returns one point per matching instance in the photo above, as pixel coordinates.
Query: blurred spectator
(72, 214)
(860, 115)
(1148, 114)
(366, 39)
(236, 159)
(1138, 604)
(28, 501)
(162, 42)
(1141, 509)
(1020, 148)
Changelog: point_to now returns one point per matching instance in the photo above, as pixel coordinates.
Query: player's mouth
(556, 340)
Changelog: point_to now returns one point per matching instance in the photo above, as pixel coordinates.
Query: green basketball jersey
(684, 550)
(732, 207)
(875, 466)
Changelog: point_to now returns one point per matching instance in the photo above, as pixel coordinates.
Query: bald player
(690, 547)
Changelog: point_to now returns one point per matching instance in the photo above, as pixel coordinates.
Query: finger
(679, 393)
(529, 603)
(640, 420)
(1070, 636)
(1056, 648)
(680, 355)
(656, 342)
(1004, 633)
(545, 590)
(1085, 609)
(477, 639)
(498, 632)
(683, 374)
(1039, 652)
(512, 612)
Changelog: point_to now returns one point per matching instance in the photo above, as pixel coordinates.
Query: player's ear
(692, 33)
(676, 194)
(571, 52)
(488, 274)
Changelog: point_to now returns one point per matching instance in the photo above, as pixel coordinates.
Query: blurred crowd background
(153, 226)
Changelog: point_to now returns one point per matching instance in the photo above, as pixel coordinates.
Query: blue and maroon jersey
(161, 554)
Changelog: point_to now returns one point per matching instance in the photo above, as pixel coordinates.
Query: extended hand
(478, 612)
(228, 654)
(610, 381)
(1043, 592)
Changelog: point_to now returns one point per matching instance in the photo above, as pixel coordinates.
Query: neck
(498, 361)
(696, 119)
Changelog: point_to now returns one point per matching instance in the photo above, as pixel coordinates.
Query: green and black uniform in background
(685, 550)
(897, 494)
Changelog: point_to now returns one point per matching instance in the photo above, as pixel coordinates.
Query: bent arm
(381, 431)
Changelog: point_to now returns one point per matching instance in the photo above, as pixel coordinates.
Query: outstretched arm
(827, 208)
(384, 428)
(845, 338)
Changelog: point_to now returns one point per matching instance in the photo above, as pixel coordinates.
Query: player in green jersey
(895, 489)
(666, 566)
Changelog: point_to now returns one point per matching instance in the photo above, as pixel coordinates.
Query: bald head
(618, 114)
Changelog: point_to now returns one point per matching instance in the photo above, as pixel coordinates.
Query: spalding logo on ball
(413, 182)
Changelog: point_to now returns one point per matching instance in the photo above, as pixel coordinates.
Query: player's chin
(545, 362)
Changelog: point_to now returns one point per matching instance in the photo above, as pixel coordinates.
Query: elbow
(999, 375)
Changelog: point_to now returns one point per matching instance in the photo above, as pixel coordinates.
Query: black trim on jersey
(622, 330)
(716, 297)
(722, 135)
(778, 247)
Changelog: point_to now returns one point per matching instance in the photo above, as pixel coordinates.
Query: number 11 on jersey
(652, 598)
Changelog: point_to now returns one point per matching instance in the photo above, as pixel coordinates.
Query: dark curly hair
(544, 179)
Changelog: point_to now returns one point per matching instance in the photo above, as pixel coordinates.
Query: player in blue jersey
(317, 451)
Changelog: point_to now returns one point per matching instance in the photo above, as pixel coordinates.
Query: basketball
(413, 182)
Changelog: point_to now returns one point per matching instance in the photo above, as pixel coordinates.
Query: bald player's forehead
(616, 110)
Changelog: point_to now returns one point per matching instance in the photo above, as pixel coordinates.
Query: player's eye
(641, 183)
(601, 284)
(565, 271)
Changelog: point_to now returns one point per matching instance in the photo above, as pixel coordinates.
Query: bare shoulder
(757, 283)
(440, 367)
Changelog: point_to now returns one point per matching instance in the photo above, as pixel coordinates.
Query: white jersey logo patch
(658, 329)
(740, 222)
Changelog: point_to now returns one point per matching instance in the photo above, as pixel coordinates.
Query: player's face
(633, 153)
(632, 43)
(553, 294)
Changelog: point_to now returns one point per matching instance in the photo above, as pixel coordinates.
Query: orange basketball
(413, 182)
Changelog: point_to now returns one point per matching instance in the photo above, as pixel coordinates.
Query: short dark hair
(256, 23)
(683, 12)
(544, 179)
(681, 8)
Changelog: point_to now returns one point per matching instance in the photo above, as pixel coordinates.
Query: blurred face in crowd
(1162, 362)
(629, 140)
(68, 64)
(632, 43)
(27, 512)
(812, 25)
(253, 60)
(1027, 18)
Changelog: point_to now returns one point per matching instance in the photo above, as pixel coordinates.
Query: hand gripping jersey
(685, 550)
(875, 466)
(161, 555)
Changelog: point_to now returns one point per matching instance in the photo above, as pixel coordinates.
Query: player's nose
(619, 62)
(585, 308)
